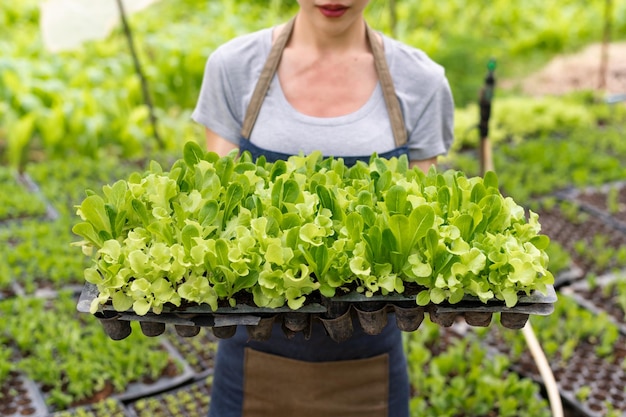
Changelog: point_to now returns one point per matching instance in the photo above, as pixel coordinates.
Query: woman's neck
(328, 38)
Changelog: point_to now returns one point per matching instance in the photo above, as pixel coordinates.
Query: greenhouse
(129, 251)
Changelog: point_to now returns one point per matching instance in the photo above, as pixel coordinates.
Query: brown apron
(280, 387)
(275, 386)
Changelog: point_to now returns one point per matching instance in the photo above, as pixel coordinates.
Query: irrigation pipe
(544, 370)
(486, 164)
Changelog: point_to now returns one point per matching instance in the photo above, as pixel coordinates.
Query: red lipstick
(333, 10)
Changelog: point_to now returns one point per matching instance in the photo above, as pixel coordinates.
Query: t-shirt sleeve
(216, 107)
(433, 133)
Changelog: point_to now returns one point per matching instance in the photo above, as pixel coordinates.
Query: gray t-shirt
(421, 86)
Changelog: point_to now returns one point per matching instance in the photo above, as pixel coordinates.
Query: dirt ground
(579, 71)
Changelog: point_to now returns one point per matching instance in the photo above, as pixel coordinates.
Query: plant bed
(595, 246)
(20, 396)
(64, 184)
(36, 256)
(105, 408)
(22, 199)
(10, 290)
(607, 202)
(586, 354)
(606, 294)
(192, 400)
(591, 385)
(74, 363)
(567, 276)
(288, 233)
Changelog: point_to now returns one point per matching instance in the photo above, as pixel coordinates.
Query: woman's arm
(218, 144)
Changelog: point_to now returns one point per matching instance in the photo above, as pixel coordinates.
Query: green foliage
(516, 119)
(617, 289)
(35, 253)
(6, 364)
(193, 400)
(101, 105)
(596, 250)
(106, 408)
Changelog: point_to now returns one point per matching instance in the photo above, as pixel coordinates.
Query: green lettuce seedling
(214, 227)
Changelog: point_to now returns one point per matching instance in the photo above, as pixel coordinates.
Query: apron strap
(382, 69)
(263, 83)
(389, 92)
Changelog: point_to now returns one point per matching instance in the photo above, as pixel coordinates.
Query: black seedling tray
(337, 314)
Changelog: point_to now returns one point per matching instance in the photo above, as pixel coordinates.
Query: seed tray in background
(109, 407)
(22, 397)
(112, 406)
(557, 225)
(192, 400)
(199, 351)
(604, 378)
(141, 389)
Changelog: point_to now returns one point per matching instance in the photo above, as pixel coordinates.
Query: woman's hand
(218, 144)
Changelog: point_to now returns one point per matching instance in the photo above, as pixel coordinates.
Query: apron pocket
(275, 386)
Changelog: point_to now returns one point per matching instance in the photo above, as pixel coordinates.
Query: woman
(323, 81)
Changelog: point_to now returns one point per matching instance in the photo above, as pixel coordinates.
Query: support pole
(486, 97)
(606, 41)
(144, 82)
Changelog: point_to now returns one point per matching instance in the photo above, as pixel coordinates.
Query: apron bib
(277, 385)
